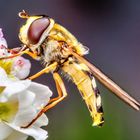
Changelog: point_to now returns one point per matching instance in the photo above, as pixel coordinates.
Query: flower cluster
(20, 100)
(18, 67)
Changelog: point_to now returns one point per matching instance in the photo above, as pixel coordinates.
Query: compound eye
(37, 28)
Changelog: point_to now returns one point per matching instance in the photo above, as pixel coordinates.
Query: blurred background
(111, 29)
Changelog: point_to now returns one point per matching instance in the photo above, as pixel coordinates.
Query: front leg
(27, 51)
(62, 93)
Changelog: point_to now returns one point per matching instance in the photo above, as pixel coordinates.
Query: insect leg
(45, 70)
(14, 55)
(62, 93)
(33, 55)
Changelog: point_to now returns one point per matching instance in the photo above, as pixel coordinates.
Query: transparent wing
(109, 83)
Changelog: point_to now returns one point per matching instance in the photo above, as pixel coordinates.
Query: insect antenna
(23, 14)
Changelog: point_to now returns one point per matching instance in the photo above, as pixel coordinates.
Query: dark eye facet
(37, 28)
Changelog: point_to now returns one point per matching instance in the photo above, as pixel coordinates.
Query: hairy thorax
(53, 51)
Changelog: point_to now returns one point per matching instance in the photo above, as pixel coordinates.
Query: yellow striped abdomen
(79, 73)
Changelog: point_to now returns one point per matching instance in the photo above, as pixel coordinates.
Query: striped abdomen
(86, 84)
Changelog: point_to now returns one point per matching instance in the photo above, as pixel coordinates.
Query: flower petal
(2, 39)
(14, 87)
(3, 42)
(8, 110)
(3, 76)
(26, 99)
(5, 131)
(1, 33)
(36, 132)
(21, 67)
(25, 116)
(43, 94)
(42, 121)
(15, 135)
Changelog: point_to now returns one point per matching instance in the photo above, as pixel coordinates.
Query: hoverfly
(45, 40)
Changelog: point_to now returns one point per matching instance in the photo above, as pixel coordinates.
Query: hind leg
(61, 95)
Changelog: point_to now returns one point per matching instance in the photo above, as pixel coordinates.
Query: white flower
(21, 67)
(20, 101)
(3, 45)
(3, 42)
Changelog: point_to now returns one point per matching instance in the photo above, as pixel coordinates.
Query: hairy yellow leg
(61, 89)
(61, 92)
(45, 70)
